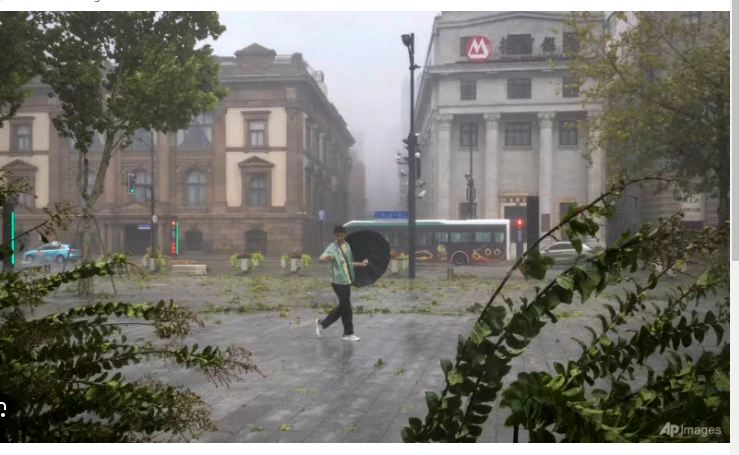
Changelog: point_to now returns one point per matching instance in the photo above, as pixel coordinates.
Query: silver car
(564, 252)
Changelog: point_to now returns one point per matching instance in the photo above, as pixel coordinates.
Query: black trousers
(343, 310)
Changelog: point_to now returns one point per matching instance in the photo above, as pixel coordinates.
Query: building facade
(491, 104)
(251, 175)
(357, 180)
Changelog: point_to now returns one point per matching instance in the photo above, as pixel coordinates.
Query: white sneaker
(350, 338)
(319, 328)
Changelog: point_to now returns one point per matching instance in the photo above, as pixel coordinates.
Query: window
(483, 237)
(570, 43)
(499, 237)
(199, 135)
(570, 87)
(91, 176)
(519, 89)
(425, 239)
(468, 135)
(561, 247)
(519, 45)
(22, 138)
(463, 46)
(142, 141)
(256, 134)
(98, 143)
(195, 185)
(464, 211)
(568, 134)
(143, 189)
(257, 190)
(518, 134)
(462, 237)
(26, 198)
(691, 18)
(548, 45)
(441, 237)
(468, 90)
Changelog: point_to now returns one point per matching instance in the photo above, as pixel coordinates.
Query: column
(220, 179)
(595, 168)
(492, 122)
(444, 167)
(546, 169)
(596, 172)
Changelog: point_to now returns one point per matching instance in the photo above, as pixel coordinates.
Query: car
(564, 252)
(55, 251)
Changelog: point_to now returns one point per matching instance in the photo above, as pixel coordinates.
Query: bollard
(450, 273)
(47, 268)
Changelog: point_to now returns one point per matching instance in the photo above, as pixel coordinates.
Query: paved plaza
(330, 390)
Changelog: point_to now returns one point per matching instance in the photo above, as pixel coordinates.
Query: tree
(21, 48)
(61, 373)
(565, 406)
(663, 81)
(116, 72)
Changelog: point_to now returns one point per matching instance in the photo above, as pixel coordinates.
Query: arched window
(143, 191)
(195, 189)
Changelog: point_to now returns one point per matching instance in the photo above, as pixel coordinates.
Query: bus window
(483, 237)
(461, 237)
(425, 239)
(441, 237)
(499, 237)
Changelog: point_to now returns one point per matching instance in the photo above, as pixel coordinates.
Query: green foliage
(565, 406)
(21, 48)
(306, 260)
(62, 374)
(664, 87)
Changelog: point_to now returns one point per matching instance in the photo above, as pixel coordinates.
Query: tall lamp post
(471, 193)
(413, 155)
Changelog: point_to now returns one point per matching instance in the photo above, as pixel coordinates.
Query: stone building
(490, 92)
(251, 175)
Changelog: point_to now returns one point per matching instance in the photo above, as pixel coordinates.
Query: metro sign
(478, 48)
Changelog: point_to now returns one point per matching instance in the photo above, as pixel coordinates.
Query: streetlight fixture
(413, 155)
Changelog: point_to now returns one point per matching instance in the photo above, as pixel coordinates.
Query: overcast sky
(365, 65)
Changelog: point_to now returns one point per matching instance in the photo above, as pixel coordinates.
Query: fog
(365, 65)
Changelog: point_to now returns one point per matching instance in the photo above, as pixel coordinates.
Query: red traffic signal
(519, 222)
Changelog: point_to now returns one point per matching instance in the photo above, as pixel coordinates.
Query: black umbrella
(372, 246)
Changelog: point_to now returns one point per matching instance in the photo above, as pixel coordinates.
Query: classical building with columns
(490, 92)
(250, 175)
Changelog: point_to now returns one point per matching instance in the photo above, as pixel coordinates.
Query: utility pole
(413, 154)
(153, 225)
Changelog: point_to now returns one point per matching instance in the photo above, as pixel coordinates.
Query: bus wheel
(459, 258)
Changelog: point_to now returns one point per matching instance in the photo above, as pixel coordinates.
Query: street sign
(144, 227)
(154, 219)
(391, 215)
(478, 48)
(321, 215)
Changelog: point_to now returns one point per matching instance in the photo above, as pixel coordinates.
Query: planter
(244, 264)
(295, 265)
(149, 264)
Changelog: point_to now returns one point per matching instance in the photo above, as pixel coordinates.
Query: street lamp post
(412, 141)
(153, 225)
(471, 212)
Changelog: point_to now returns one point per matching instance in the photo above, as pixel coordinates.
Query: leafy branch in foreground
(545, 404)
(63, 374)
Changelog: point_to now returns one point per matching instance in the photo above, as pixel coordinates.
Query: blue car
(55, 251)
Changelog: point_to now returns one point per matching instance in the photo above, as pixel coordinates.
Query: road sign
(154, 219)
(321, 215)
(478, 48)
(391, 215)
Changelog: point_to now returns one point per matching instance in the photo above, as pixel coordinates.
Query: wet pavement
(331, 390)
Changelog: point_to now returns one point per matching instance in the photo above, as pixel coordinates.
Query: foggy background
(366, 68)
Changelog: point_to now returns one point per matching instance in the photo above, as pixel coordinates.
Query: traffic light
(174, 244)
(131, 183)
(519, 222)
(9, 235)
(411, 144)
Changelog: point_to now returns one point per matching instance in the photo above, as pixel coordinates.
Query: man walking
(341, 267)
